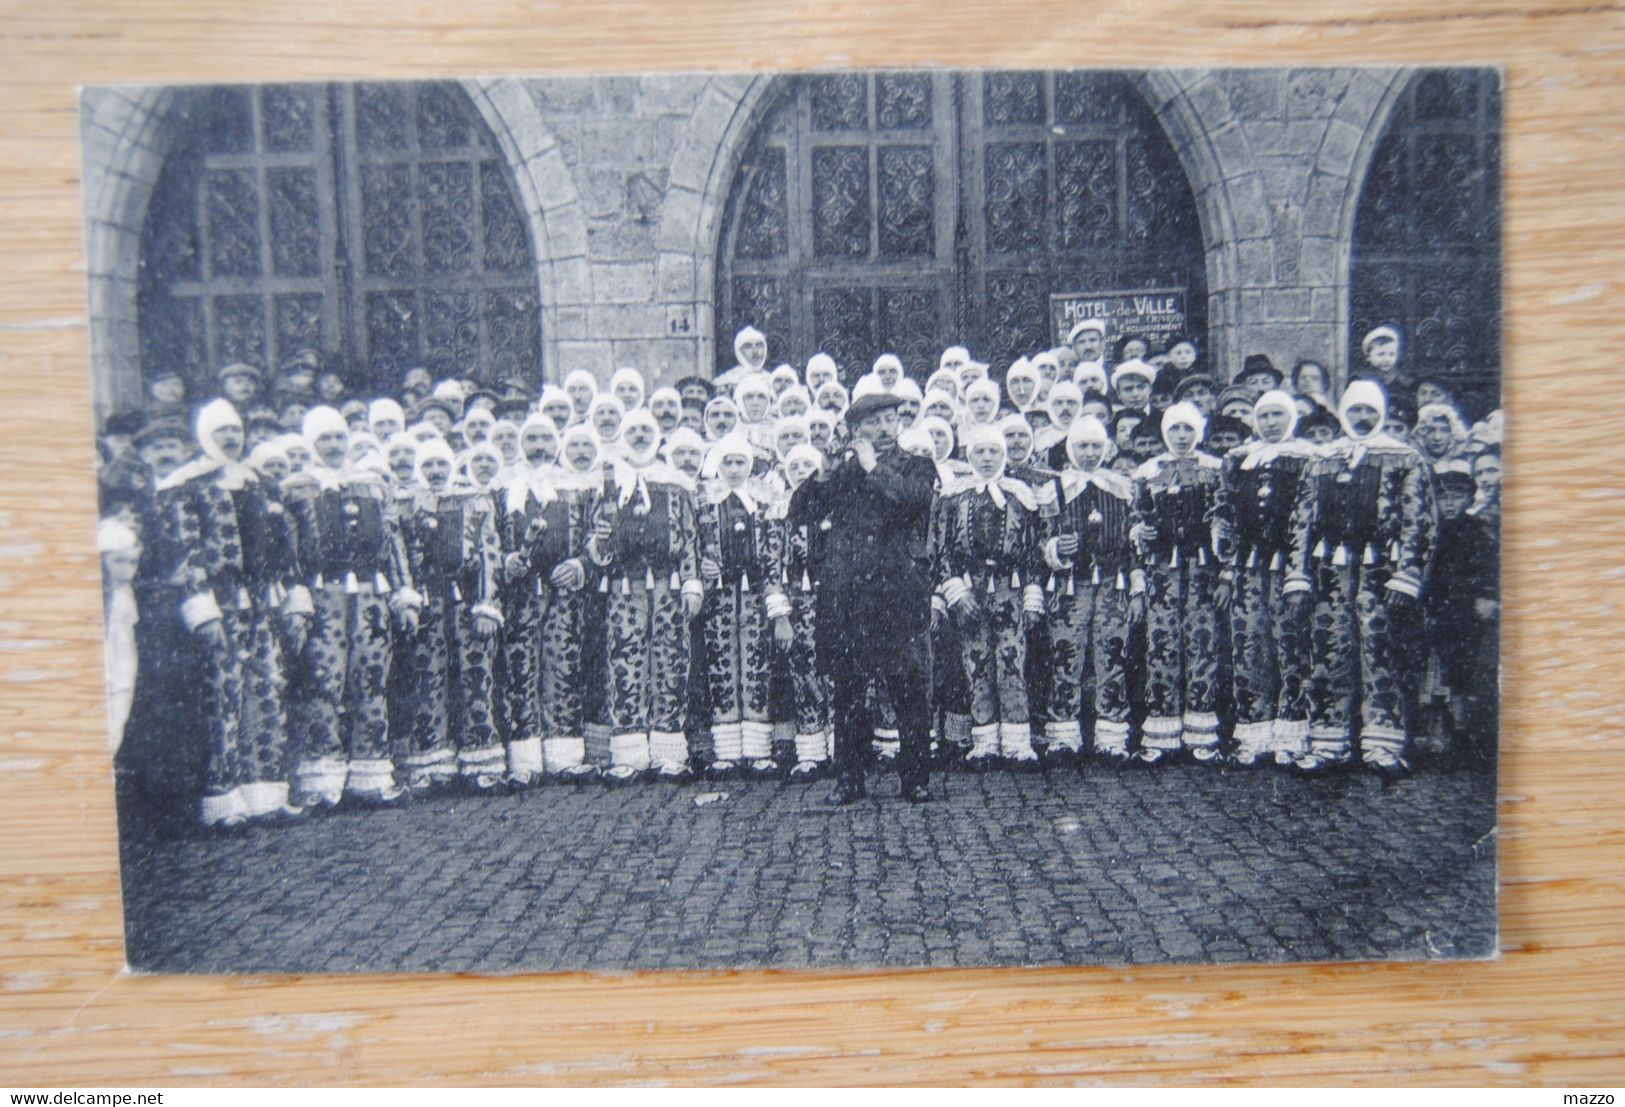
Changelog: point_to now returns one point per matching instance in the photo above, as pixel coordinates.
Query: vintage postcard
(839, 519)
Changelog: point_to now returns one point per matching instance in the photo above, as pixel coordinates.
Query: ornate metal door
(1070, 186)
(373, 223)
(909, 211)
(840, 229)
(1427, 235)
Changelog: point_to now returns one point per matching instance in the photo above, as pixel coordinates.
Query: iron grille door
(376, 224)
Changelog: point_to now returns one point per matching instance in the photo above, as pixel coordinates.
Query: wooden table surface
(1551, 1010)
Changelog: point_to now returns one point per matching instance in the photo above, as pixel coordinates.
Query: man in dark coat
(874, 591)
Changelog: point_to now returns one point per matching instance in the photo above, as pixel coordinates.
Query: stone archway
(701, 172)
(128, 134)
(1277, 159)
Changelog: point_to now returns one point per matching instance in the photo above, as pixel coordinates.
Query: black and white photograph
(830, 520)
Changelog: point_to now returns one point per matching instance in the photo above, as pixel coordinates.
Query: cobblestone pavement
(1183, 863)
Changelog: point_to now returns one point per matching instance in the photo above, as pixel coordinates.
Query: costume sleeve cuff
(1136, 582)
(1032, 599)
(490, 611)
(938, 603)
(693, 588)
(1405, 585)
(200, 609)
(1295, 583)
(406, 598)
(953, 590)
(1052, 555)
(298, 602)
(593, 552)
(777, 606)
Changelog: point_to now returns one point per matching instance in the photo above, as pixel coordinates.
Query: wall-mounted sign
(1158, 314)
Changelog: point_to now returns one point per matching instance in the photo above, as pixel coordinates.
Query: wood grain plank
(1548, 1011)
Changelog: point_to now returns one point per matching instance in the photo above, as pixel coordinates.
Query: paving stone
(1184, 863)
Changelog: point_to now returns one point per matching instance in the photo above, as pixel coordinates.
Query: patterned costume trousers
(1270, 651)
(1181, 657)
(993, 652)
(739, 654)
(1353, 679)
(950, 697)
(648, 646)
(338, 705)
(451, 686)
(545, 677)
(807, 681)
(1088, 658)
(246, 771)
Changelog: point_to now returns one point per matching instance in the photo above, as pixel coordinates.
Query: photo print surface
(839, 519)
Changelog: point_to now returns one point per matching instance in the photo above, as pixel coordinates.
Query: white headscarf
(997, 486)
(757, 384)
(599, 403)
(1183, 414)
(819, 364)
(982, 387)
(1023, 370)
(942, 377)
(1259, 452)
(869, 385)
(628, 375)
(731, 445)
(568, 476)
(580, 376)
(748, 334)
(782, 377)
(529, 480)
(1365, 392)
(321, 420)
(1088, 428)
(380, 410)
(794, 390)
(683, 437)
(1015, 421)
(233, 472)
(433, 450)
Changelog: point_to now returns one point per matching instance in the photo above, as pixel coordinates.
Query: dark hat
(514, 408)
(259, 420)
(239, 369)
(700, 382)
(1222, 423)
(515, 388)
(301, 360)
(163, 423)
(1192, 381)
(1320, 417)
(1454, 478)
(478, 394)
(428, 402)
(286, 390)
(1231, 395)
(1259, 363)
(871, 404)
(164, 374)
(124, 423)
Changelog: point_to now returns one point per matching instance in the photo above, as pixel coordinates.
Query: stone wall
(624, 180)
(1276, 158)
